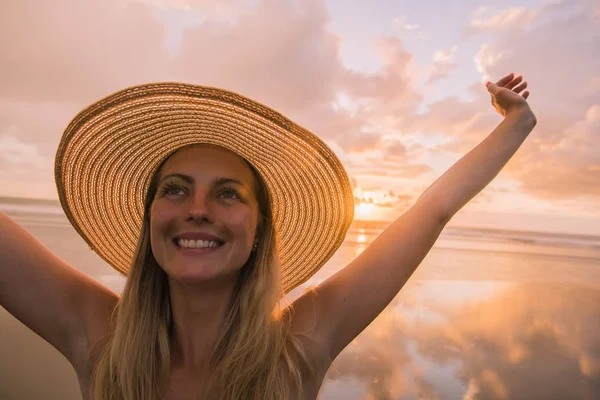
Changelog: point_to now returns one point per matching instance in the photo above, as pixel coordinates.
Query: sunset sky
(396, 88)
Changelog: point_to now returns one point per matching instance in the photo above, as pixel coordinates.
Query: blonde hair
(256, 355)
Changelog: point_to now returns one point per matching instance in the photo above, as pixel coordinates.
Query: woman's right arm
(63, 305)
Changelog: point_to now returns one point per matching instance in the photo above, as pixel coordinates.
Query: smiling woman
(214, 246)
(215, 207)
(205, 211)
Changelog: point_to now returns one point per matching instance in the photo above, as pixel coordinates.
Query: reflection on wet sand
(525, 341)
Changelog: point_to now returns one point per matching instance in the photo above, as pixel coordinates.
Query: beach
(489, 314)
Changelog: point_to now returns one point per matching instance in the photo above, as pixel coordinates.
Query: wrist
(523, 114)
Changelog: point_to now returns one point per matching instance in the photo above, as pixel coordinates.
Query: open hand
(505, 94)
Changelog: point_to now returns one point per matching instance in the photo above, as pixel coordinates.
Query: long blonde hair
(256, 355)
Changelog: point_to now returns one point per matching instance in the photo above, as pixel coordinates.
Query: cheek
(161, 221)
(155, 219)
(243, 223)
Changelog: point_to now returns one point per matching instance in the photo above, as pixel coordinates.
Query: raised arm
(58, 302)
(349, 300)
(474, 171)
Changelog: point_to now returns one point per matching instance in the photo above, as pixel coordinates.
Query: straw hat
(112, 148)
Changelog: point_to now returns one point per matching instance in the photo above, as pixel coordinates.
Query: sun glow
(364, 210)
(362, 237)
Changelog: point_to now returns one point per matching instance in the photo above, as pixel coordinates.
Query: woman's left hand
(505, 95)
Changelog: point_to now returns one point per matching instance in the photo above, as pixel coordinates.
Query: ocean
(489, 314)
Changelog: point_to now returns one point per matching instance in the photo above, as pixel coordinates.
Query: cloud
(568, 163)
(58, 58)
(210, 7)
(284, 55)
(22, 165)
(557, 161)
(401, 23)
(380, 197)
(15, 153)
(69, 51)
(407, 29)
(396, 149)
(443, 64)
(278, 52)
(466, 122)
(482, 21)
(487, 57)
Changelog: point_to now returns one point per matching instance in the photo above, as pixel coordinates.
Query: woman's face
(211, 193)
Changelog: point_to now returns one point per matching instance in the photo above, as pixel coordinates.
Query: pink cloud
(59, 57)
(568, 167)
(557, 160)
(72, 51)
(482, 21)
(443, 64)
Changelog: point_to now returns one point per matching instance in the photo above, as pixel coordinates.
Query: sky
(396, 88)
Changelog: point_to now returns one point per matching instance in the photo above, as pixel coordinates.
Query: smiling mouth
(197, 244)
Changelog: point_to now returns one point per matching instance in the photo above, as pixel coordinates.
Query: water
(489, 314)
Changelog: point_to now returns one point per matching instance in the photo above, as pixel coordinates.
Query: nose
(199, 207)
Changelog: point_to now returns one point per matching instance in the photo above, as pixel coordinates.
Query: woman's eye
(171, 189)
(229, 194)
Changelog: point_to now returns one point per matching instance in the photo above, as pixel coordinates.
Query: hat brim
(111, 149)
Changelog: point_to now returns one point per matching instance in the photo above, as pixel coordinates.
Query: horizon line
(32, 201)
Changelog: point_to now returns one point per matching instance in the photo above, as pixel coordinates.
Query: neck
(199, 312)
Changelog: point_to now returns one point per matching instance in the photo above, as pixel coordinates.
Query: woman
(215, 206)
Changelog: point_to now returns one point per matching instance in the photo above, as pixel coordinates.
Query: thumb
(492, 88)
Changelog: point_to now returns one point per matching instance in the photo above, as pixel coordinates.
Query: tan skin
(70, 310)
(201, 285)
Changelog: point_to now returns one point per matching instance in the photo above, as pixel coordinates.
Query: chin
(199, 273)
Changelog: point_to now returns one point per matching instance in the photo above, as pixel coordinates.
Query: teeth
(196, 244)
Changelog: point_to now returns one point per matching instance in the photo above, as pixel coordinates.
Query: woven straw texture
(111, 149)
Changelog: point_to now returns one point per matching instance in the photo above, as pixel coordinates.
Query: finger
(520, 88)
(506, 79)
(526, 95)
(514, 82)
(493, 89)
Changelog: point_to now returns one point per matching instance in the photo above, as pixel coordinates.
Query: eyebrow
(219, 180)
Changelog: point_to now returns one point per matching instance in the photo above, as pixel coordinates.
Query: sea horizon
(21, 206)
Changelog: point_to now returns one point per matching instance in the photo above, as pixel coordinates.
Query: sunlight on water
(362, 237)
